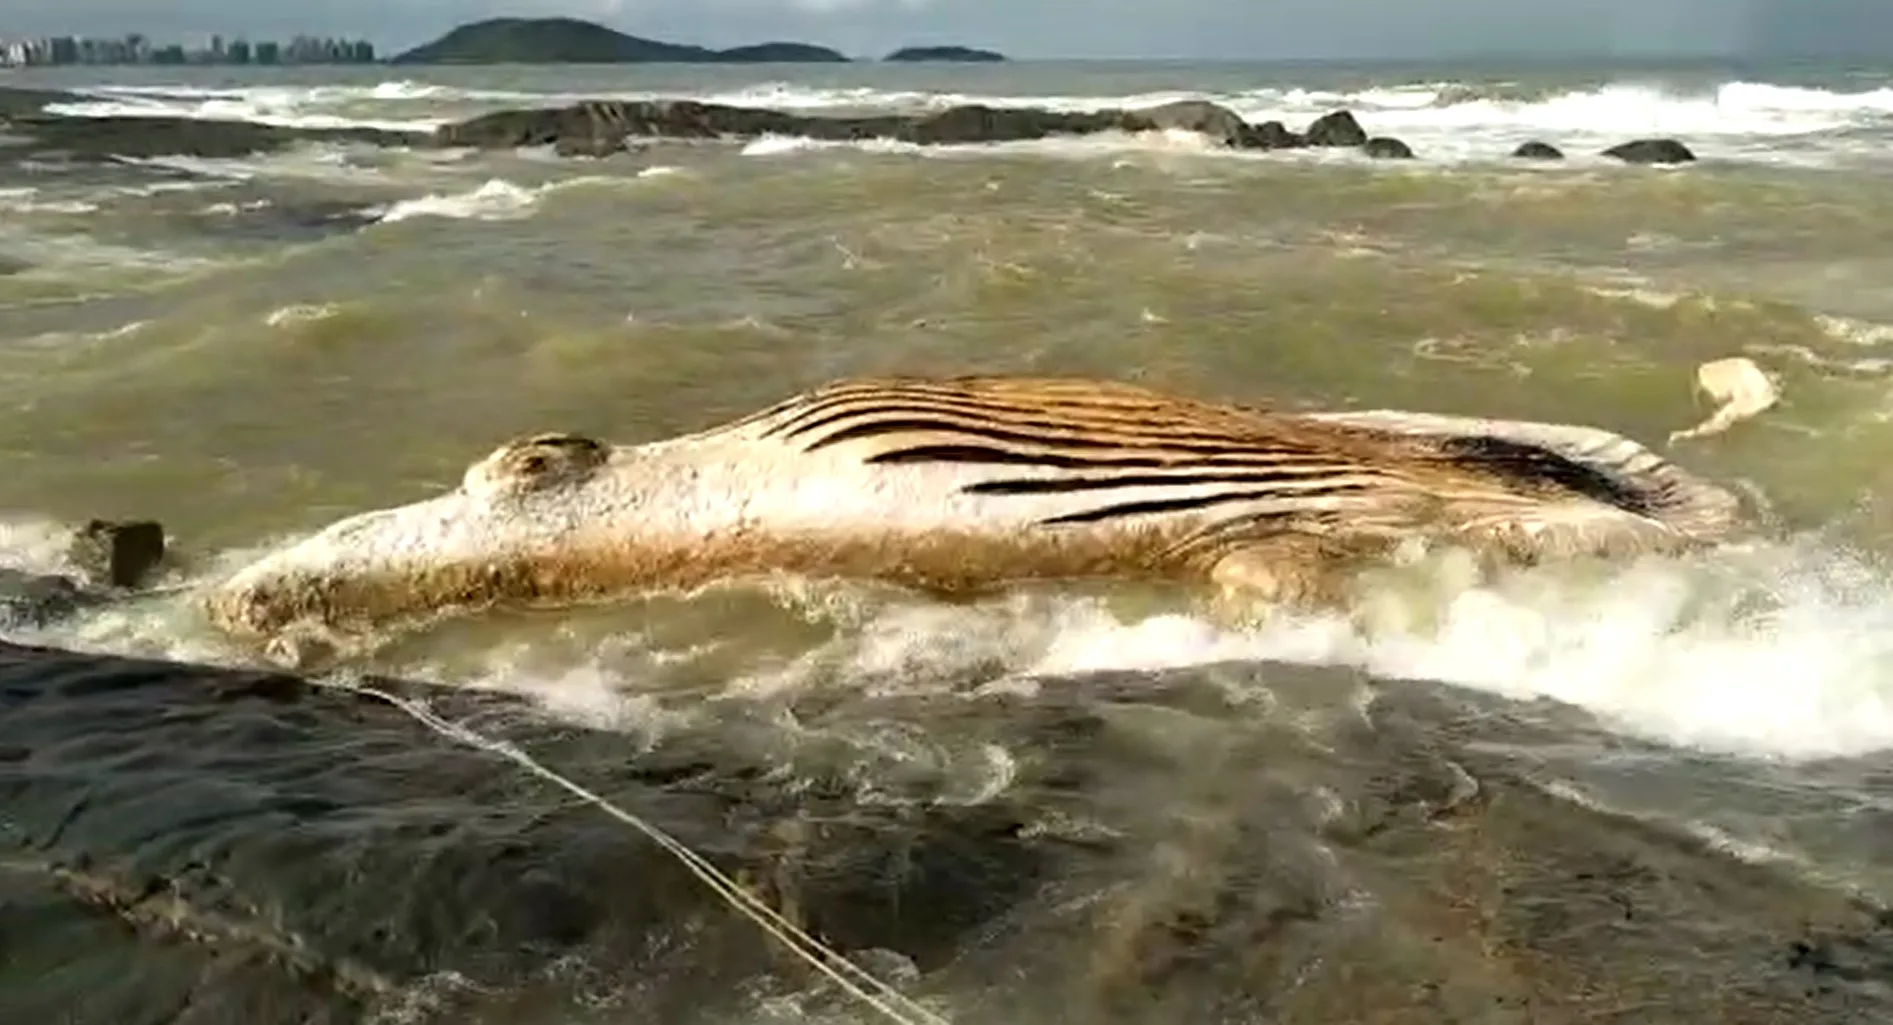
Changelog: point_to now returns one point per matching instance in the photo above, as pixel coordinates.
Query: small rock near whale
(1384, 147)
(117, 554)
(1536, 150)
(1651, 151)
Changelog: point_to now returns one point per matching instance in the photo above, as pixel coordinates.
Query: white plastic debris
(1742, 388)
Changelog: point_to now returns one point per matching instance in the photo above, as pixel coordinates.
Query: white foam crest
(495, 200)
(34, 544)
(315, 107)
(1071, 146)
(300, 313)
(1740, 119)
(1775, 651)
(315, 162)
(28, 201)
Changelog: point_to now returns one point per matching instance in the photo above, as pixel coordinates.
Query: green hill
(571, 41)
(943, 53)
(778, 53)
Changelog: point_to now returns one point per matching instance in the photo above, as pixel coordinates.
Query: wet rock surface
(1651, 151)
(1535, 150)
(1336, 129)
(109, 560)
(31, 601)
(36, 134)
(601, 128)
(118, 553)
(229, 845)
(1387, 148)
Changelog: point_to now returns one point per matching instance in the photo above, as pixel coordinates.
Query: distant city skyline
(135, 48)
(1258, 29)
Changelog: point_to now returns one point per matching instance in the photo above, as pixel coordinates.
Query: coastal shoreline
(600, 128)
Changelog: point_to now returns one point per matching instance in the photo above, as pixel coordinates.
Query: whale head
(522, 526)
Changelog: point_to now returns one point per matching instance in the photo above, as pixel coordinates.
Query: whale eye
(533, 464)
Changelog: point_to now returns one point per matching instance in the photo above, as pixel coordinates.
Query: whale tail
(1596, 492)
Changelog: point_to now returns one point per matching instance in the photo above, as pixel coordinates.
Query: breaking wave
(1740, 119)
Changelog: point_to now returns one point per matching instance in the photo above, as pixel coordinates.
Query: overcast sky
(1262, 29)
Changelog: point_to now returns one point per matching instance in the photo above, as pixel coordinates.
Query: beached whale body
(954, 485)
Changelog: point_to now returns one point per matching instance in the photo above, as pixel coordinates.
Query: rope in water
(857, 982)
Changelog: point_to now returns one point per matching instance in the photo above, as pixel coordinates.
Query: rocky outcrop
(601, 127)
(109, 559)
(30, 600)
(117, 554)
(1216, 121)
(1336, 129)
(1272, 135)
(1651, 151)
(31, 132)
(1535, 150)
(276, 851)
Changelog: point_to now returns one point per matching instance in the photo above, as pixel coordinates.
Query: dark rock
(600, 127)
(289, 219)
(1217, 122)
(118, 554)
(1535, 150)
(30, 601)
(18, 103)
(595, 146)
(1272, 135)
(1336, 129)
(94, 139)
(1651, 151)
(1386, 147)
(969, 124)
(268, 853)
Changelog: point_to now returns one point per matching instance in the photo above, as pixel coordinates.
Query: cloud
(1230, 29)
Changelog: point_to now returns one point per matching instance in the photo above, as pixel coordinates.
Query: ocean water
(1547, 797)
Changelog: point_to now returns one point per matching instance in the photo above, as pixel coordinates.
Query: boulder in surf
(1536, 150)
(1385, 147)
(1651, 151)
(1336, 129)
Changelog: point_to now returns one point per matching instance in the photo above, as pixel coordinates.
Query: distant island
(965, 54)
(571, 41)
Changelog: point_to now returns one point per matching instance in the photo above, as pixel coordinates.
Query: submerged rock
(1651, 151)
(103, 138)
(31, 601)
(1387, 148)
(289, 219)
(1272, 135)
(1535, 150)
(110, 559)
